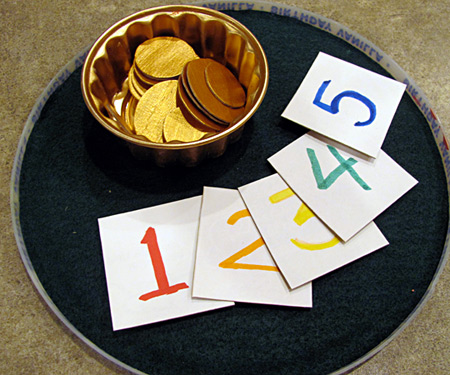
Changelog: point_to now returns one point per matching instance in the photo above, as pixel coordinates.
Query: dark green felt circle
(74, 172)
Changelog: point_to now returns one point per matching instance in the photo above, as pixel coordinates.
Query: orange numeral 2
(231, 262)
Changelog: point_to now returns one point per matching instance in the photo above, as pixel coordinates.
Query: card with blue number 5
(346, 103)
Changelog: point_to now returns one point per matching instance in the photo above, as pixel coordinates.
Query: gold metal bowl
(212, 35)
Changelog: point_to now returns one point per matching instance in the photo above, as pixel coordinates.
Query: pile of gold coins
(178, 96)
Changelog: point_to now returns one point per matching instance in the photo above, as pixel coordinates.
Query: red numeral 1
(159, 269)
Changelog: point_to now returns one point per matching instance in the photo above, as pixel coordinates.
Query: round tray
(69, 171)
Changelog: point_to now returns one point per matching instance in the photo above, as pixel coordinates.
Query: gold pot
(212, 35)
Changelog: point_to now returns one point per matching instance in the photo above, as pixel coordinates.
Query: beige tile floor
(39, 36)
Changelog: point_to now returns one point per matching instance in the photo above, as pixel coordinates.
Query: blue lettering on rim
(302, 17)
(230, 6)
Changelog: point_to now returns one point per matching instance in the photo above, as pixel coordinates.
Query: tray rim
(311, 18)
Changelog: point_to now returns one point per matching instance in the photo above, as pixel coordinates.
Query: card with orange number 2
(233, 262)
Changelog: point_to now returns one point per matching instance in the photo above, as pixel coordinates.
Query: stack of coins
(210, 93)
(177, 96)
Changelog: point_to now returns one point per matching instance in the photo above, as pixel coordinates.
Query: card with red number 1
(149, 259)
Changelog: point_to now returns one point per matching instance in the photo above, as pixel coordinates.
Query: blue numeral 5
(334, 106)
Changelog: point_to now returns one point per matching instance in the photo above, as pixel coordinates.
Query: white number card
(347, 103)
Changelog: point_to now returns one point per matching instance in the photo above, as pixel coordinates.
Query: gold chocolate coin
(224, 85)
(152, 109)
(211, 106)
(176, 128)
(163, 57)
